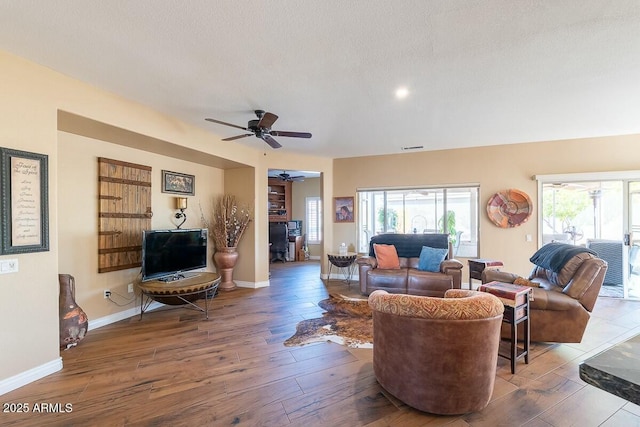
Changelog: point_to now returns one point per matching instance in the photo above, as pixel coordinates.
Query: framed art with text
(24, 202)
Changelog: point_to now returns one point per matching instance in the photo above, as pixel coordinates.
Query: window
(314, 220)
(421, 210)
(574, 212)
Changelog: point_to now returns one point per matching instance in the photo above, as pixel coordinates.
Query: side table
(344, 262)
(514, 315)
(516, 311)
(477, 266)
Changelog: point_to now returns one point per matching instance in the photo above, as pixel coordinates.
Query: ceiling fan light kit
(261, 128)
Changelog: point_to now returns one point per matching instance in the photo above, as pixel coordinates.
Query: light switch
(528, 238)
(8, 266)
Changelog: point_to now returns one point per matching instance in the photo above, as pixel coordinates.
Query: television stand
(182, 289)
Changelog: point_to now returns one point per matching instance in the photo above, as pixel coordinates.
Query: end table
(516, 310)
(344, 262)
(477, 266)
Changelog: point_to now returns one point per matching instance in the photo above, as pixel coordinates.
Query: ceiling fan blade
(290, 134)
(272, 142)
(233, 138)
(296, 178)
(225, 123)
(267, 120)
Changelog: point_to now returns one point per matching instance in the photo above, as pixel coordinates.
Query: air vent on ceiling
(415, 147)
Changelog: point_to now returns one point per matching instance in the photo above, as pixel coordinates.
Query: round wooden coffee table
(179, 291)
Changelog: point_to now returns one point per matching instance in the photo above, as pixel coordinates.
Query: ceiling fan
(261, 128)
(284, 176)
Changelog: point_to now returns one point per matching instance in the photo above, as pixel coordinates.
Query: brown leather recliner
(561, 305)
(408, 279)
(438, 355)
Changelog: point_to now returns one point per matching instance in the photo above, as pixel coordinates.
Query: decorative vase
(73, 320)
(225, 260)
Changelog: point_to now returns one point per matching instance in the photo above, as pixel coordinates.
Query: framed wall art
(343, 209)
(178, 183)
(509, 208)
(24, 202)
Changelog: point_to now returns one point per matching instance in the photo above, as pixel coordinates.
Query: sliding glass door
(603, 215)
(632, 237)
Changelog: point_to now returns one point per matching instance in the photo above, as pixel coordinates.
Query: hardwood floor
(176, 368)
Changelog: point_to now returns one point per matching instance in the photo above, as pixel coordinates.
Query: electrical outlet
(130, 288)
(107, 293)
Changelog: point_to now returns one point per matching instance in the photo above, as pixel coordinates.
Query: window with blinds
(314, 220)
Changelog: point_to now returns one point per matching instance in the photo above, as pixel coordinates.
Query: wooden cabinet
(295, 245)
(279, 196)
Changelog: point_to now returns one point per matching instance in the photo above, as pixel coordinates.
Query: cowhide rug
(347, 321)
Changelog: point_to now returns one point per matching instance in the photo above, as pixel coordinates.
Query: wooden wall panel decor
(124, 212)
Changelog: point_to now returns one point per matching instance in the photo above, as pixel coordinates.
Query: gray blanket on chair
(553, 256)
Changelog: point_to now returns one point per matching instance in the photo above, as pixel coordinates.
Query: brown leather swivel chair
(438, 355)
(560, 306)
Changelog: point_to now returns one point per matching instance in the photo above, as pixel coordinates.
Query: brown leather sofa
(438, 355)
(408, 279)
(561, 305)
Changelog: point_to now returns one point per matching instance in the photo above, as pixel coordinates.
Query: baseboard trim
(121, 315)
(30, 376)
(252, 285)
(49, 368)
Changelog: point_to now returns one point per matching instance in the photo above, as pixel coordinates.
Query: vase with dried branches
(228, 221)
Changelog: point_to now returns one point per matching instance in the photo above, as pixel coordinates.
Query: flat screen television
(166, 254)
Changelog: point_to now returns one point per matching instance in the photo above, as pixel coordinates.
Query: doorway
(289, 192)
(599, 211)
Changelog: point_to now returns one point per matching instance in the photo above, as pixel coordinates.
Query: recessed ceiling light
(402, 92)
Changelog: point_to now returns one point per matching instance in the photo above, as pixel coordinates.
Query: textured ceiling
(479, 72)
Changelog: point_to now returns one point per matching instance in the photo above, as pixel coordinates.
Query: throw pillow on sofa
(430, 258)
(387, 256)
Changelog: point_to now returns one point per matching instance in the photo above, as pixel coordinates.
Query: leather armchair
(438, 355)
(408, 279)
(561, 304)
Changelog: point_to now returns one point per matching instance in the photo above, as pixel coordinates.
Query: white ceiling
(479, 72)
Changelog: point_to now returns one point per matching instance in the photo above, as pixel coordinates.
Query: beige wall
(29, 298)
(310, 187)
(78, 213)
(235, 182)
(33, 98)
(495, 168)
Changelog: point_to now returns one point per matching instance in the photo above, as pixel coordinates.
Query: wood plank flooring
(176, 368)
